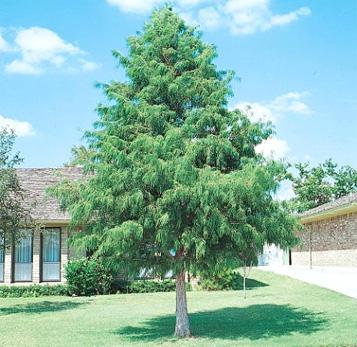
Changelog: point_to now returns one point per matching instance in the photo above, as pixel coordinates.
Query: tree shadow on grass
(253, 322)
(251, 284)
(40, 307)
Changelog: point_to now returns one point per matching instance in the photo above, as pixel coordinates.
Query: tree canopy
(317, 185)
(13, 215)
(80, 155)
(174, 182)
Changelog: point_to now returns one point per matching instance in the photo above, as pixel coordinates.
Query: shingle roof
(345, 201)
(35, 183)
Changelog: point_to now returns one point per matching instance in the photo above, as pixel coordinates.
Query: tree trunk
(182, 328)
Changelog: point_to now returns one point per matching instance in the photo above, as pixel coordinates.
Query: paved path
(339, 279)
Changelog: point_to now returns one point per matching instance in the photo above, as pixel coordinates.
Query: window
(23, 256)
(2, 256)
(51, 254)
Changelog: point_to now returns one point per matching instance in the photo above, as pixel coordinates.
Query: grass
(279, 311)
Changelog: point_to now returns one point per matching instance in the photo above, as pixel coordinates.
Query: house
(330, 235)
(39, 256)
(273, 255)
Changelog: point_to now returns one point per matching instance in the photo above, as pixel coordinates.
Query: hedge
(146, 286)
(33, 290)
(122, 287)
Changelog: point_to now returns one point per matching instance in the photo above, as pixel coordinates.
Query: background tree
(13, 215)
(177, 183)
(80, 156)
(314, 186)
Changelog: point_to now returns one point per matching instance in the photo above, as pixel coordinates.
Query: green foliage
(34, 290)
(227, 280)
(80, 155)
(88, 277)
(173, 178)
(314, 186)
(12, 213)
(146, 286)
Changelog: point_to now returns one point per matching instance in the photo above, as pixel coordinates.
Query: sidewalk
(339, 279)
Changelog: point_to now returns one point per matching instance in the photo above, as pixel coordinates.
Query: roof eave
(52, 222)
(349, 208)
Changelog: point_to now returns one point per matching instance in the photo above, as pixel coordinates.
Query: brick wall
(333, 242)
(345, 257)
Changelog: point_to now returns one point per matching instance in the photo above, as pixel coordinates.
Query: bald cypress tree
(176, 182)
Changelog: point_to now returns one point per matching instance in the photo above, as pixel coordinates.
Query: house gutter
(342, 210)
(53, 222)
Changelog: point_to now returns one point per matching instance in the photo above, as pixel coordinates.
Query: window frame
(42, 280)
(13, 260)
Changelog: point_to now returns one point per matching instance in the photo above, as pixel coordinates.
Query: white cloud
(279, 107)
(210, 17)
(241, 17)
(247, 16)
(273, 148)
(282, 105)
(135, 6)
(40, 49)
(22, 67)
(145, 6)
(4, 46)
(190, 3)
(88, 65)
(283, 19)
(250, 16)
(290, 102)
(285, 191)
(189, 18)
(257, 112)
(21, 128)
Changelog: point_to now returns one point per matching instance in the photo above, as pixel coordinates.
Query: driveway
(339, 279)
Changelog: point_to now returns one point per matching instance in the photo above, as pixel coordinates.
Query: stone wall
(333, 242)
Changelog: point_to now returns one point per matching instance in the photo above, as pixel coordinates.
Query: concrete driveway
(339, 279)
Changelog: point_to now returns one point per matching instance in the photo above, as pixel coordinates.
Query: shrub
(88, 277)
(151, 286)
(34, 290)
(147, 286)
(226, 280)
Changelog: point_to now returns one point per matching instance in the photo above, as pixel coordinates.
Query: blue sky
(297, 63)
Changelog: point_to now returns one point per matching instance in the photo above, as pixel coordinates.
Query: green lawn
(284, 312)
